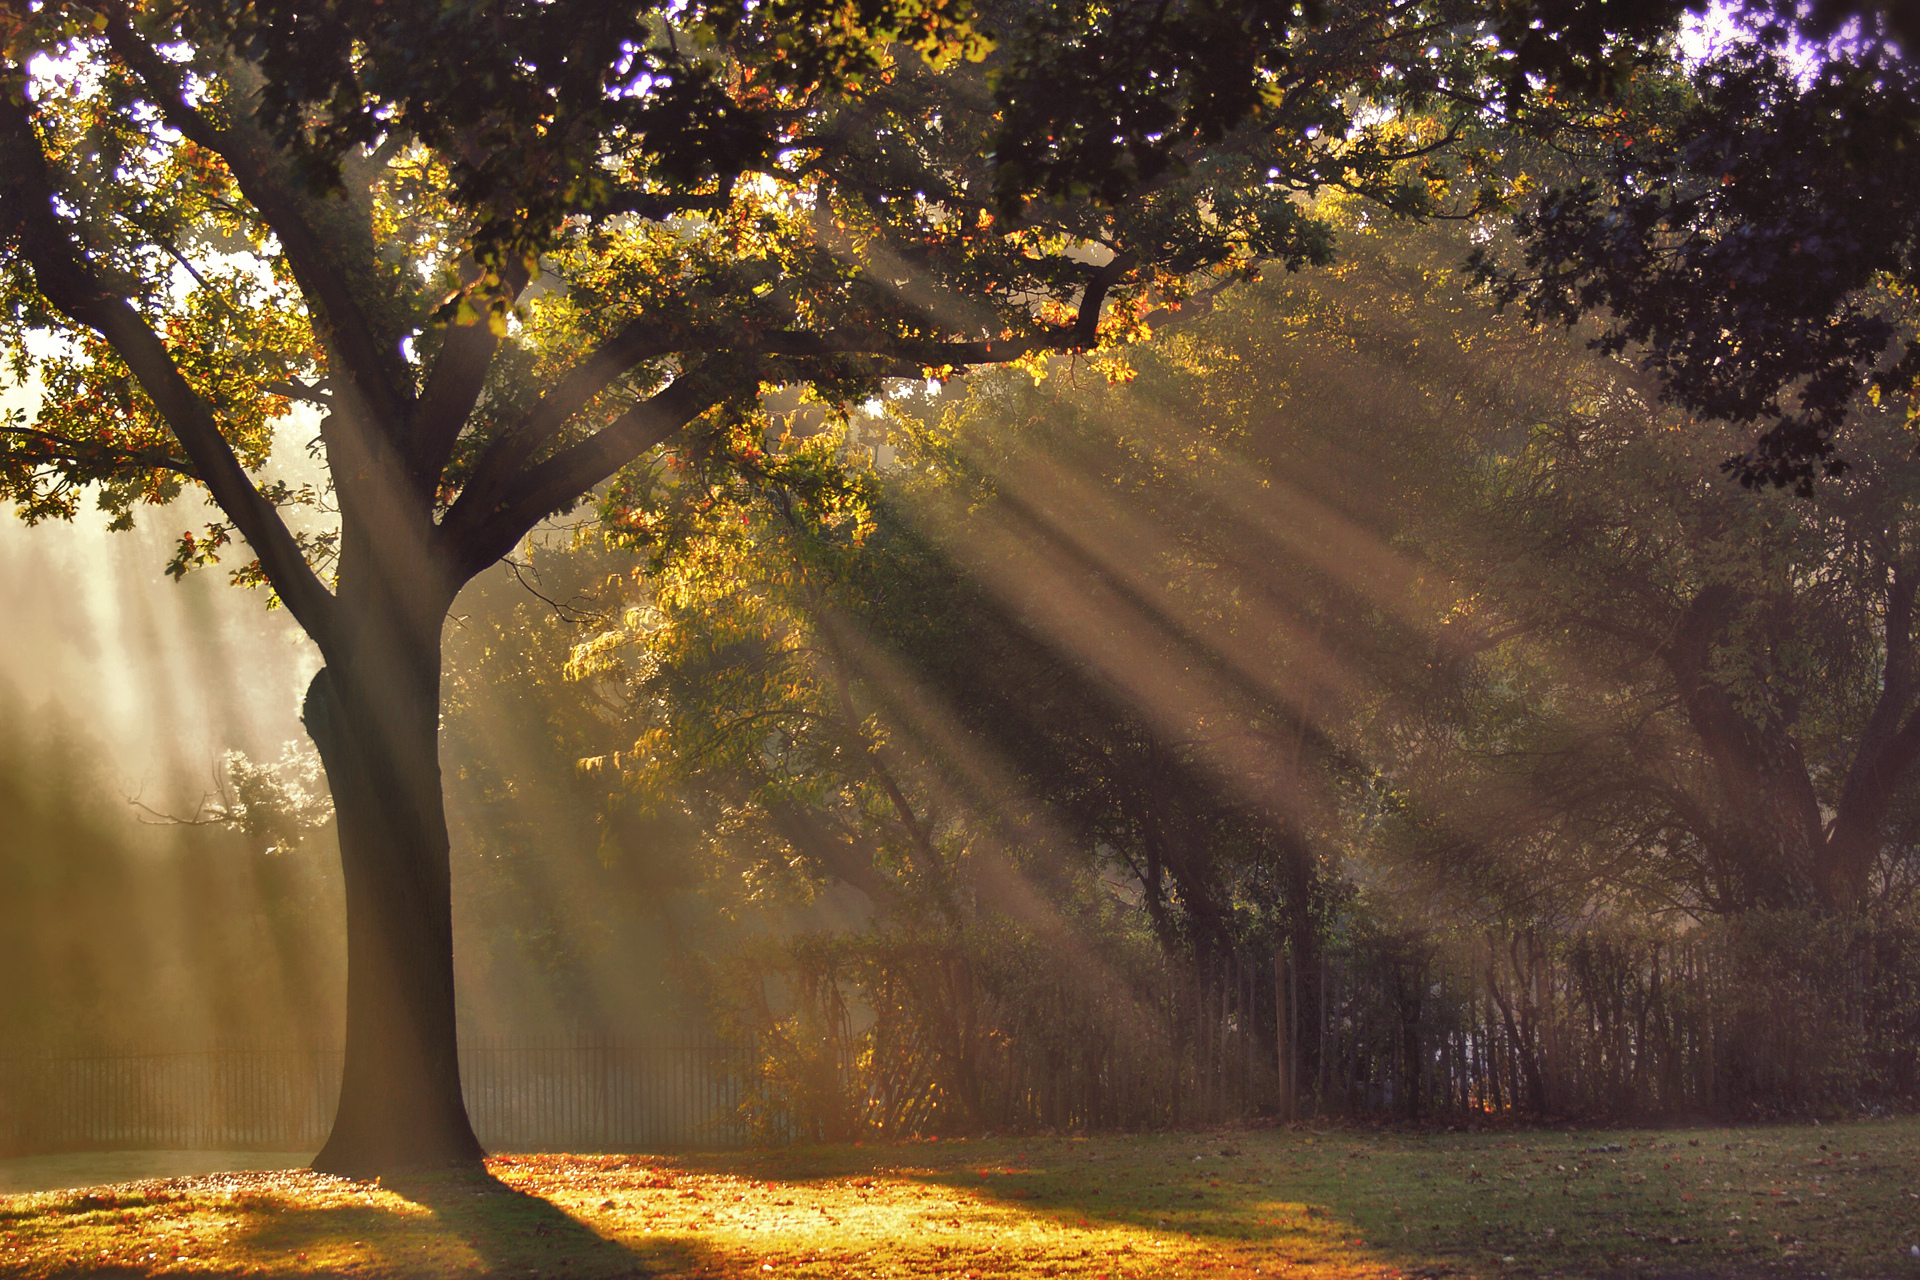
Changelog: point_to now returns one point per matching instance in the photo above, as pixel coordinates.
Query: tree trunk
(1300, 871)
(375, 721)
(1765, 836)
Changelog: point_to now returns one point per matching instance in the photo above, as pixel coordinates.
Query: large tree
(502, 251)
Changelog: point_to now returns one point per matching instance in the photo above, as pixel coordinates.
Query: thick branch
(476, 538)
(502, 501)
(1890, 744)
(27, 218)
(847, 858)
(453, 388)
(658, 206)
(1086, 325)
(500, 465)
(380, 375)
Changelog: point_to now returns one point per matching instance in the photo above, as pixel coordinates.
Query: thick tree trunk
(1765, 838)
(376, 724)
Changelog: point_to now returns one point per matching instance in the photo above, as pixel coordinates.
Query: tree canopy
(1734, 240)
(502, 251)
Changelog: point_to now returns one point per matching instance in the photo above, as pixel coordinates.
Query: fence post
(1286, 1005)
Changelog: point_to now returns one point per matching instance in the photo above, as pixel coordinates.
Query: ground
(1800, 1200)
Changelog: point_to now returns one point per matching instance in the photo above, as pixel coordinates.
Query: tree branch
(501, 502)
(453, 388)
(63, 277)
(86, 452)
(500, 464)
(295, 389)
(475, 538)
(379, 375)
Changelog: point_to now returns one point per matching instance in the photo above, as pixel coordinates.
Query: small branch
(569, 612)
(222, 814)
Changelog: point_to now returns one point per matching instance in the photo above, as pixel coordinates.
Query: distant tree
(1734, 243)
(1138, 629)
(570, 919)
(1703, 699)
(846, 694)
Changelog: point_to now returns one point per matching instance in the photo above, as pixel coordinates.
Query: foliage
(272, 805)
(1746, 247)
(570, 912)
(1700, 698)
(786, 273)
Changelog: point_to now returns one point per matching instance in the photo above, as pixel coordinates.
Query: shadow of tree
(439, 1225)
(509, 1231)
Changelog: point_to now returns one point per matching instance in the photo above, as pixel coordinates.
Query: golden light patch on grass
(821, 1214)
(1333, 1205)
(261, 1223)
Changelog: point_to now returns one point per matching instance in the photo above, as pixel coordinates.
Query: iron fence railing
(523, 1095)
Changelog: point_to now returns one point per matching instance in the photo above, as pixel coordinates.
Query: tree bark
(375, 721)
(1766, 834)
(1300, 870)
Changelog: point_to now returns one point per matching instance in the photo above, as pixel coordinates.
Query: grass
(1842, 1200)
(96, 1168)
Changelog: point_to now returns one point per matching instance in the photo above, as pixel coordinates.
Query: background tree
(567, 922)
(1736, 243)
(1711, 686)
(1132, 629)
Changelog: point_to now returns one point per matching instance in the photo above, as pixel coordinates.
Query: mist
(167, 676)
(135, 921)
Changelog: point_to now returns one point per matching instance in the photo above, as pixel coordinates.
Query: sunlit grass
(1792, 1200)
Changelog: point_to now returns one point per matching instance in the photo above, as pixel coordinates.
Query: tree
(1130, 628)
(1704, 699)
(1735, 242)
(1749, 240)
(503, 251)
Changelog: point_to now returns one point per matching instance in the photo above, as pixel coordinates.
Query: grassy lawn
(1843, 1200)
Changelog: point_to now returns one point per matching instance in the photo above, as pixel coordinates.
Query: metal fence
(522, 1095)
(975, 1029)
(588, 1096)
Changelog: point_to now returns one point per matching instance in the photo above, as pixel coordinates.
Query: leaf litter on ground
(1786, 1200)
